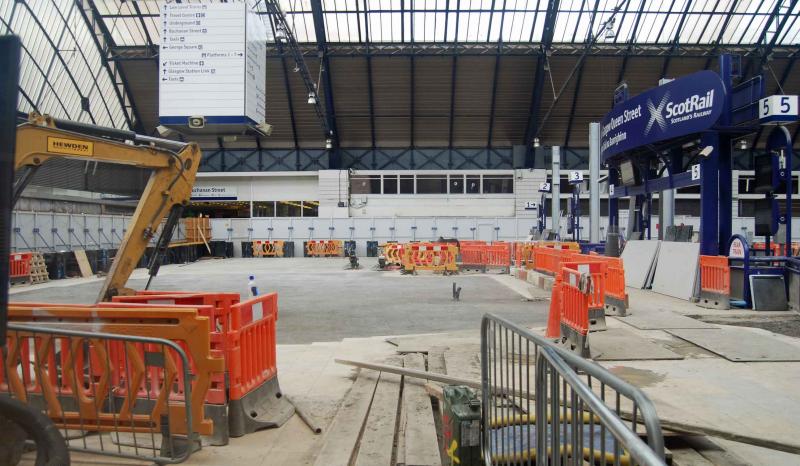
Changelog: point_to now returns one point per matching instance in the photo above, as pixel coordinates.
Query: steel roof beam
(675, 40)
(579, 79)
(539, 79)
(334, 161)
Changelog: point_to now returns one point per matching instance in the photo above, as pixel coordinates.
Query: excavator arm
(174, 167)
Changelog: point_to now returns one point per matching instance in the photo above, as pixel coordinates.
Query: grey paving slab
(740, 345)
(638, 257)
(659, 320)
(676, 269)
(617, 344)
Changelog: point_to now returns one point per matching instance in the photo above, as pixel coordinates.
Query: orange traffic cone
(554, 319)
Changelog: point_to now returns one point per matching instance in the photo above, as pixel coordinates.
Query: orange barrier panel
(472, 254)
(217, 307)
(715, 282)
(438, 257)
(554, 317)
(19, 265)
(252, 356)
(324, 248)
(498, 255)
(393, 252)
(597, 292)
(548, 260)
(575, 291)
(267, 248)
(616, 297)
(183, 326)
(570, 245)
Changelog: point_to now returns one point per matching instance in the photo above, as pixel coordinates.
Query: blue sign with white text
(684, 106)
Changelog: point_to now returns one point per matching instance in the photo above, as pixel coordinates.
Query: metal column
(555, 198)
(594, 183)
(666, 203)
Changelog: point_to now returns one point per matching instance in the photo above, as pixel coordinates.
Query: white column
(594, 183)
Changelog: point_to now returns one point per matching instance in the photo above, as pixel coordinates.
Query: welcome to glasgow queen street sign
(684, 106)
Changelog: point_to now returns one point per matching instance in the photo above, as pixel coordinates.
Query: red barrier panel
(19, 265)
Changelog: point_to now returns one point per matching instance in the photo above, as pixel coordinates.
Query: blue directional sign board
(684, 106)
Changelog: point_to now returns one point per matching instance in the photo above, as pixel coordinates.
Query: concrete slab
(658, 320)
(616, 344)
(676, 269)
(740, 344)
(320, 301)
(638, 257)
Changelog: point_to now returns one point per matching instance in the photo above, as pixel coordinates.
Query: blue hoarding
(686, 105)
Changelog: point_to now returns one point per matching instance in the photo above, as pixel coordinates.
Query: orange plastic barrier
(438, 257)
(575, 299)
(123, 368)
(324, 248)
(19, 265)
(715, 274)
(393, 253)
(483, 256)
(267, 248)
(554, 317)
(217, 307)
(548, 260)
(252, 350)
(570, 245)
(715, 282)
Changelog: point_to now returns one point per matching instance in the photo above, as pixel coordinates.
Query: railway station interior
(399, 232)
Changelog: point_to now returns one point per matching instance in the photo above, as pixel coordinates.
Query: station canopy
(414, 73)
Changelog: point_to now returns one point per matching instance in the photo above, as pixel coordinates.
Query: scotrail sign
(684, 106)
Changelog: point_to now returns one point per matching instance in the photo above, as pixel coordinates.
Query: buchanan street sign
(684, 106)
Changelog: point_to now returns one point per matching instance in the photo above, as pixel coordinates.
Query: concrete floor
(319, 300)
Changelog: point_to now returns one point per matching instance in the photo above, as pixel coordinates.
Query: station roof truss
(417, 73)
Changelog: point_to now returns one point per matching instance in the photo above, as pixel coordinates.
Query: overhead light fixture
(706, 151)
(536, 143)
(743, 144)
(312, 98)
(610, 34)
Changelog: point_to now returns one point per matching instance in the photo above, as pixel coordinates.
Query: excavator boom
(174, 167)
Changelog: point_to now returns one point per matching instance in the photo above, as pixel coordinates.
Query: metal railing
(108, 394)
(538, 396)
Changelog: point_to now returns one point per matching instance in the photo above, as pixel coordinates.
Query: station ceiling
(414, 73)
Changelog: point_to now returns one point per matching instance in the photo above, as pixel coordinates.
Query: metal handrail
(569, 365)
(641, 452)
(187, 386)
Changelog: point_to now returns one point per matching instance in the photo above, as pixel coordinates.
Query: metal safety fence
(544, 405)
(116, 395)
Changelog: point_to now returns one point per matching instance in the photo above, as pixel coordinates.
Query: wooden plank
(345, 429)
(83, 263)
(421, 445)
(436, 363)
(376, 444)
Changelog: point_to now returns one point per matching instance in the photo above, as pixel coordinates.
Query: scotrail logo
(656, 114)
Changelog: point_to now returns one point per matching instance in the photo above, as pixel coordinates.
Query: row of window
(432, 184)
(285, 209)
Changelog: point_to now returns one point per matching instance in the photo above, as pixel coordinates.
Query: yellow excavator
(174, 166)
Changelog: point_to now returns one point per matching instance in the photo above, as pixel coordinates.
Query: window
(431, 184)
(289, 209)
(406, 184)
(263, 208)
(473, 184)
(498, 184)
(310, 209)
(456, 184)
(365, 184)
(389, 184)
